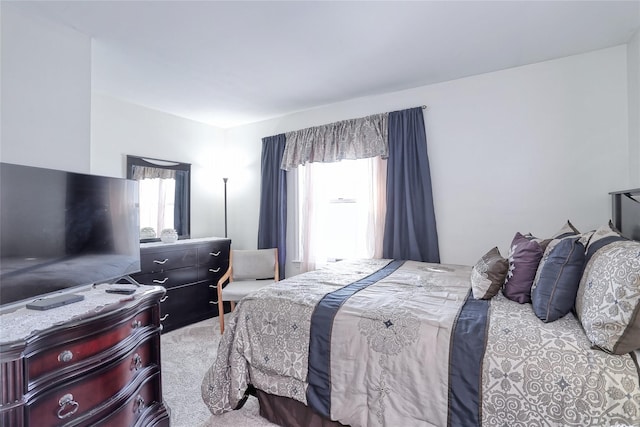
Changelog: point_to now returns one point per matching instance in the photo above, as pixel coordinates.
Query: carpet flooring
(187, 353)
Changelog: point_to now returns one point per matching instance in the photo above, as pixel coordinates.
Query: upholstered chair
(249, 270)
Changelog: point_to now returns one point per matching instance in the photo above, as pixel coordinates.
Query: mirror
(165, 191)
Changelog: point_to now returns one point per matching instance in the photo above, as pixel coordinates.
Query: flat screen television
(62, 230)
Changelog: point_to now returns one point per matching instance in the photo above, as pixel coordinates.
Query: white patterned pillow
(567, 230)
(608, 300)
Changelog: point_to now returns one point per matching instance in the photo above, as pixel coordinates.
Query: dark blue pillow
(554, 294)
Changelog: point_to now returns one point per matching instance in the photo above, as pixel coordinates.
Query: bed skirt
(288, 412)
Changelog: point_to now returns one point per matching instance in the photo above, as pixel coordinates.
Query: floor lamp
(225, 206)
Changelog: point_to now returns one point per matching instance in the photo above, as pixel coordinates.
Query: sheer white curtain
(342, 210)
(377, 205)
(157, 203)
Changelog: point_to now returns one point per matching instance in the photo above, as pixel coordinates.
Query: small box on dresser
(96, 362)
(189, 270)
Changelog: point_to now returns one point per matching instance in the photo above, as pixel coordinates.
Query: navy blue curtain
(410, 225)
(272, 227)
(181, 207)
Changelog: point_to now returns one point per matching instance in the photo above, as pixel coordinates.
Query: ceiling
(237, 62)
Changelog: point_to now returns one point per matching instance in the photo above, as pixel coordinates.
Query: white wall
(45, 93)
(119, 128)
(633, 74)
(517, 150)
(522, 149)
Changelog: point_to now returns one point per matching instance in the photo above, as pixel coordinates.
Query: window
(341, 210)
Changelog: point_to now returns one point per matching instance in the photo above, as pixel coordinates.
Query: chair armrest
(225, 276)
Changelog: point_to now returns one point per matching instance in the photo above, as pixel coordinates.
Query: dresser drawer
(136, 411)
(187, 304)
(169, 278)
(151, 262)
(81, 397)
(66, 357)
(212, 273)
(214, 253)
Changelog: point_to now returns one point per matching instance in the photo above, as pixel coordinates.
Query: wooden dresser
(91, 363)
(189, 270)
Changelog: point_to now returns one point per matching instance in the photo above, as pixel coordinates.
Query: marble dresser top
(18, 325)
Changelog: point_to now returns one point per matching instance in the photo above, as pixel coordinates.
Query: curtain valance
(148, 172)
(351, 139)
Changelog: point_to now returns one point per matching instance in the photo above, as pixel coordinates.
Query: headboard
(626, 212)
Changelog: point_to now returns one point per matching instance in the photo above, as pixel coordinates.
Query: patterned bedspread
(402, 343)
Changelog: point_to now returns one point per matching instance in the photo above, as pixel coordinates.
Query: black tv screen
(60, 230)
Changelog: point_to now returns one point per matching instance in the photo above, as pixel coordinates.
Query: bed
(405, 343)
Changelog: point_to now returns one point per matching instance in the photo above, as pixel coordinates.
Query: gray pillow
(488, 275)
(567, 230)
(608, 299)
(601, 237)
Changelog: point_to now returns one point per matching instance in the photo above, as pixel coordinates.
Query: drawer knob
(68, 406)
(136, 362)
(160, 282)
(65, 356)
(139, 405)
(163, 318)
(164, 298)
(214, 270)
(164, 261)
(136, 324)
(214, 253)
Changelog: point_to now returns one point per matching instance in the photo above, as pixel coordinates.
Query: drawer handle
(214, 270)
(161, 262)
(214, 253)
(136, 362)
(213, 286)
(139, 405)
(163, 318)
(65, 356)
(68, 406)
(136, 324)
(164, 298)
(160, 282)
(212, 302)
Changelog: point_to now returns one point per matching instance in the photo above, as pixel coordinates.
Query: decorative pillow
(602, 237)
(524, 257)
(487, 276)
(608, 300)
(567, 230)
(553, 293)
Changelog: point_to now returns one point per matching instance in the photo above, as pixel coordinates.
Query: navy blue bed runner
(465, 363)
(319, 375)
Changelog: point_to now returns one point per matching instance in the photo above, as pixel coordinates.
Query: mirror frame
(185, 231)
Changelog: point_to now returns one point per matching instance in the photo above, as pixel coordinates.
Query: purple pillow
(524, 256)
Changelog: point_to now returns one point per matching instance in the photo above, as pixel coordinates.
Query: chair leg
(220, 308)
(233, 305)
(221, 316)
